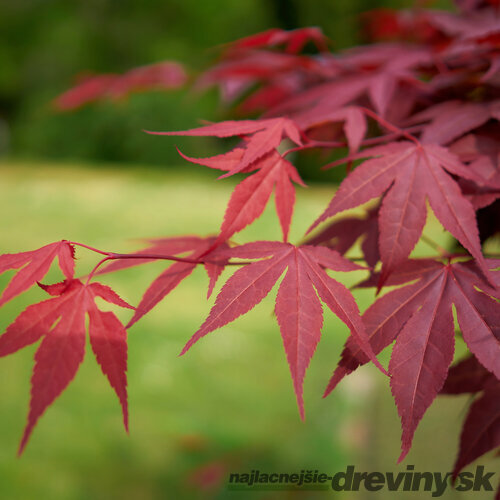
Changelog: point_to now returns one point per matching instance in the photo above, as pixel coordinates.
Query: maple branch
(342, 144)
(149, 256)
(436, 246)
(119, 256)
(152, 256)
(116, 256)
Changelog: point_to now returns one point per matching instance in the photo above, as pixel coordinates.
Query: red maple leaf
(298, 309)
(34, 265)
(354, 119)
(251, 195)
(378, 72)
(342, 234)
(236, 75)
(266, 135)
(60, 321)
(452, 119)
(419, 316)
(407, 175)
(164, 75)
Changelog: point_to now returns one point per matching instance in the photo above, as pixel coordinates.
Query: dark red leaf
(410, 174)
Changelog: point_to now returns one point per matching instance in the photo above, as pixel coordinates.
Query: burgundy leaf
(410, 174)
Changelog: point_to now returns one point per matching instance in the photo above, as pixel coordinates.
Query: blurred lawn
(228, 405)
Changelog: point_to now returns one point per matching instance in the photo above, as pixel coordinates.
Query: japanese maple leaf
(407, 175)
(342, 234)
(298, 309)
(474, 25)
(481, 430)
(240, 70)
(164, 75)
(390, 67)
(251, 195)
(452, 119)
(419, 316)
(34, 265)
(266, 135)
(354, 119)
(167, 281)
(482, 153)
(60, 321)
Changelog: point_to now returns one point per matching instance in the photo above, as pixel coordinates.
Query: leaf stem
(437, 247)
(152, 256)
(149, 256)
(97, 266)
(372, 141)
(389, 126)
(89, 248)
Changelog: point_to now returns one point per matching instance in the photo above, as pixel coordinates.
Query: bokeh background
(92, 176)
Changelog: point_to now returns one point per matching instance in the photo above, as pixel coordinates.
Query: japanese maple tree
(414, 115)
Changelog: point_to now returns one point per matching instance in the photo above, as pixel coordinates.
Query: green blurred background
(93, 176)
(44, 44)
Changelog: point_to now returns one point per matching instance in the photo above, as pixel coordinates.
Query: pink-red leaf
(60, 321)
(300, 318)
(266, 135)
(34, 265)
(298, 309)
(250, 196)
(164, 75)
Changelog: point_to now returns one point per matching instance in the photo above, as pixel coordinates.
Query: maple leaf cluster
(416, 116)
(161, 76)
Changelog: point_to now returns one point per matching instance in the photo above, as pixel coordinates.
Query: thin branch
(152, 256)
(436, 246)
(389, 126)
(372, 141)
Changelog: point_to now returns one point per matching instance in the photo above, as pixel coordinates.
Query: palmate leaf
(407, 175)
(60, 321)
(342, 234)
(354, 119)
(298, 309)
(163, 75)
(250, 196)
(419, 317)
(266, 135)
(34, 265)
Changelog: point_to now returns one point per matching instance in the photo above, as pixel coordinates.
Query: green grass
(228, 405)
